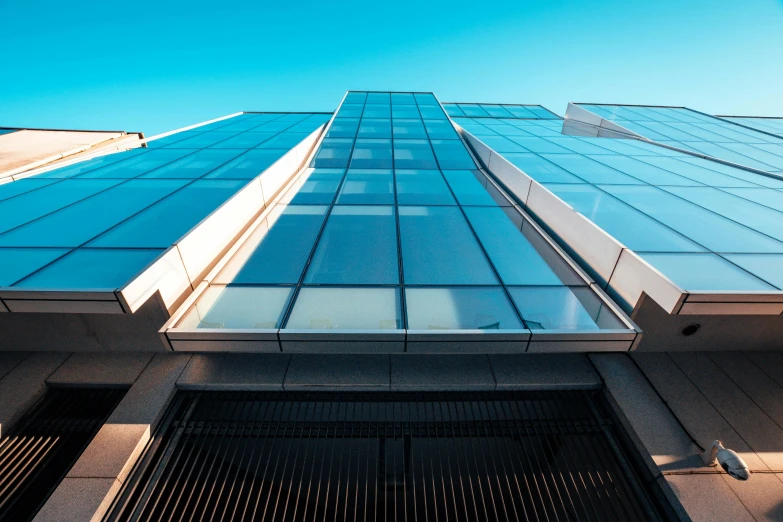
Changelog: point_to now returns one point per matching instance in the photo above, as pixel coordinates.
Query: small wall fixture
(690, 329)
(728, 460)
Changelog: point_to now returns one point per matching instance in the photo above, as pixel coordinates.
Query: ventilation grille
(43, 446)
(341, 456)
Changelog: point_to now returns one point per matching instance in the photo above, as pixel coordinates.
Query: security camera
(728, 460)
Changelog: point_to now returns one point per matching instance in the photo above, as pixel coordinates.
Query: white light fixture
(728, 460)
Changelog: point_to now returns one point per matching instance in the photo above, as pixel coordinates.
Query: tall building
(405, 309)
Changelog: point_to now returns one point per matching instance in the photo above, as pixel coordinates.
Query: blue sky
(158, 65)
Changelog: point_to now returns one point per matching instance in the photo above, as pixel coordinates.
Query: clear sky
(158, 65)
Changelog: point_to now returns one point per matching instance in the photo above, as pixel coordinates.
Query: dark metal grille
(38, 453)
(342, 456)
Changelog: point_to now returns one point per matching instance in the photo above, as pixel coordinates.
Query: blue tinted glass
(425, 98)
(16, 263)
(540, 169)
(283, 251)
(372, 154)
(286, 140)
(623, 221)
(473, 110)
(460, 309)
(515, 259)
(440, 130)
(95, 163)
(590, 170)
(238, 307)
(413, 154)
(405, 111)
(704, 272)
(22, 186)
(76, 224)
(452, 154)
(167, 221)
(205, 139)
(194, 165)
(496, 111)
(695, 172)
(519, 112)
(343, 128)
(350, 111)
(318, 188)
(333, 152)
(367, 187)
(88, 268)
(422, 187)
(453, 109)
(383, 98)
(138, 164)
(375, 128)
(409, 129)
(563, 308)
(644, 171)
(343, 256)
(432, 113)
(764, 266)
(355, 97)
(707, 228)
(323, 308)
(502, 145)
(438, 248)
(402, 98)
(376, 111)
(470, 188)
(32, 205)
(246, 140)
(248, 165)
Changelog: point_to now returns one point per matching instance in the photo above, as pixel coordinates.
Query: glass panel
(205, 139)
(372, 154)
(350, 111)
(438, 248)
(540, 169)
(286, 140)
(333, 153)
(496, 111)
(432, 112)
(343, 128)
(138, 164)
(246, 140)
(425, 98)
(376, 111)
(16, 263)
(237, 307)
(343, 256)
(27, 207)
(74, 225)
(622, 221)
(422, 187)
(367, 187)
(346, 309)
(704, 272)
(452, 154)
(167, 221)
(375, 128)
(381, 98)
(248, 165)
(473, 110)
(410, 129)
(22, 186)
(515, 259)
(195, 165)
(563, 308)
(644, 171)
(695, 172)
(413, 154)
(317, 187)
(95, 163)
(711, 230)
(460, 308)
(764, 266)
(590, 170)
(440, 130)
(88, 268)
(472, 188)
(405, 111)
(402, 98)
(280, 247)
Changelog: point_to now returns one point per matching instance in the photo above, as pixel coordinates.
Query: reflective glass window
(472, 188)
(343, 128)
(704, 272)
(402, 98)
(248, 165)
(323, 308)
(452, 154)
(367, 187)
(590, 170)
(16, 263)
(409, 129)
(204, 139)
(413, 154)
(440, 130)
(285, 140)
(540, 169)
(372, 154)
(316, 187)
(22, 186)
(422, 187)
(764, 266)
(241, 307)
(194, 165)
(350, 111)
(380, 98)
(342, 255)
(563, 308)
(138, 164)
(375, 128)
(432, 112)
(91, 268)
(376, 111)
(438, 248)
(246, 140)
(334, 152)
(481, 308)
(405, 111)
(102, 161)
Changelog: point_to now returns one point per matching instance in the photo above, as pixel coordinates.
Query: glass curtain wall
(394, 227)
(496, 110)
(771, 125)
(705, 225)
(700, 133)
(95, 224)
